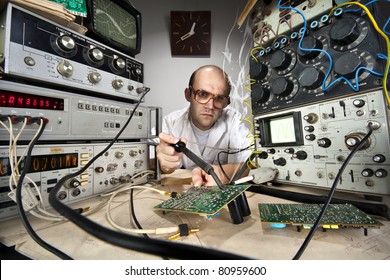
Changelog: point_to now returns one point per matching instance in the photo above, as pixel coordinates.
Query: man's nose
(210, 104)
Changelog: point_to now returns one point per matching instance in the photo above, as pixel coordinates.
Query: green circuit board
(336, 216)
(76, 7)
(202, 200)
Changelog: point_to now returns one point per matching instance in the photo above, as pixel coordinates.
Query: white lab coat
(229, 132)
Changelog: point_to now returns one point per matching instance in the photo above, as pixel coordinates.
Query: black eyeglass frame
(212, 96)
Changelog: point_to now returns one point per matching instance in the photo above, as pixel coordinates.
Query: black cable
(151, 246)
(132, 210)
(330, 195)
(229, 153)
(19, 202)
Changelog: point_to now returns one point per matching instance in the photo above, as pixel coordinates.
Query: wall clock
(190, 33)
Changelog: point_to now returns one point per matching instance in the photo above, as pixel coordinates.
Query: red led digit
(35, 103)
(3, 99)
(20, 101)
(11, 100)
(27, 101)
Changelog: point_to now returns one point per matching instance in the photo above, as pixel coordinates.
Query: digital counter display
(23, 100)
(43, 163)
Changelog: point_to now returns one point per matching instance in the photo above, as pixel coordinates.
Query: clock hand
(189, 34)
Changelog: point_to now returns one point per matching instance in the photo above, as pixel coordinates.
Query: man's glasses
(219, 101)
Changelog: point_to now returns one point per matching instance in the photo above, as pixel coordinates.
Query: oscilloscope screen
(281, 130)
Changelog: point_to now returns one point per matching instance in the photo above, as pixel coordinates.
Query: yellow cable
(385, 74)
(254, 49)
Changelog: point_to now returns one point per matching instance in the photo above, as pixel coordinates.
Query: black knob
(72, 183)
(381, 173)
(358, 103)
(271, 151)
(347, 64)
(301, 155)
(260, 94)
(280, 60)
(311, 78)
(379, 158)
(308, 44)
(280, 162)
(309, 128)
(310, 137)
(367, 172)
(324, 142)
(289, 150)
(263, 155)
(282, 86)
(345, 31)
(258, 70)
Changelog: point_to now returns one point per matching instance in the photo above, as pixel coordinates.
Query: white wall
(168, 76)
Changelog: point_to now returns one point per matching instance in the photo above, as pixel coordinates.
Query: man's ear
(187, 94)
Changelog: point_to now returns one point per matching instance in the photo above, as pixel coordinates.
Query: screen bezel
(265, 130)
(94, 34)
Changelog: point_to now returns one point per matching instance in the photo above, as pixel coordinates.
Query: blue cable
(302, 31)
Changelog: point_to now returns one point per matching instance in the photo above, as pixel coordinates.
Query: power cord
(331, 193)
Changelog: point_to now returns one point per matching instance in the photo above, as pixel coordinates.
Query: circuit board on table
(202, 200)
(336, 216)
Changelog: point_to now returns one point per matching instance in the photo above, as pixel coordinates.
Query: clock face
(190, 32)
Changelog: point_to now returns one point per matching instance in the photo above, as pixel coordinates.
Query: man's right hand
(168, 158)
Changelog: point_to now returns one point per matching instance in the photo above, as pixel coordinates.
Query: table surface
(251, 238)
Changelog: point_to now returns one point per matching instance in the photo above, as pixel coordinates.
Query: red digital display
(23, 100)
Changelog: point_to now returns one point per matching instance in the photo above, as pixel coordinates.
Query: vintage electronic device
(50, 163)
(306, 122)
(71, 116)
(40, 51)
(307, 145)
(115, 23)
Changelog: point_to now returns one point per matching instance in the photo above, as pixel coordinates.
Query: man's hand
(201, 178)
(168, 158)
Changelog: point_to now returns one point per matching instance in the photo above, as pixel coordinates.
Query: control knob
(367, 172)
(280, 161)
(65, 43)
(280, 60)
(301, 155)
(324, 142)
(344, 31)
(65, 68)
(353, 139)
(282, 86)
(379, 158)
(136, 72)
(308, 44)
(94, 77)
(260, 94)
(347, 64)
(95, 55)
(258, 70)
(311, 78)
(381, 173)
(358, 103)
(117, 84)
(119, 64)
